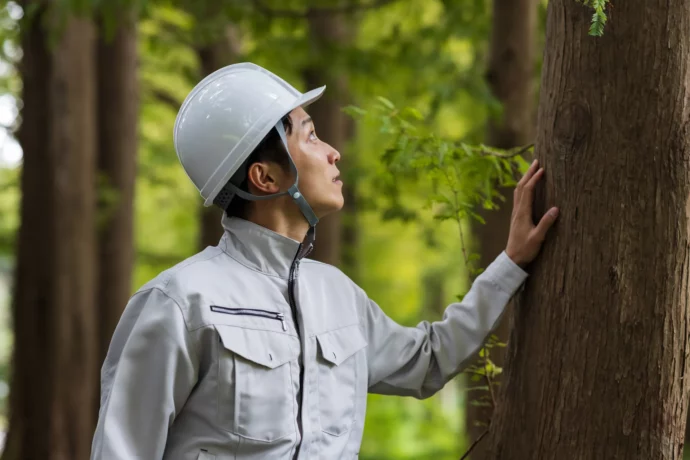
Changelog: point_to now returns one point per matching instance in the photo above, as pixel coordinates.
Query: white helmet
(224, 118)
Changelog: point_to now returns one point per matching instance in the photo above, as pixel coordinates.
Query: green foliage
(454, 178)
(599, 17)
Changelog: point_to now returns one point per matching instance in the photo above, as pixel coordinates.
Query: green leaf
(354, 111)
(412, 113)
(480, 387)
(386, 102)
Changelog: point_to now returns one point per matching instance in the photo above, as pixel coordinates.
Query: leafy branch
(599, 17)
(452, 177)
(455, 178)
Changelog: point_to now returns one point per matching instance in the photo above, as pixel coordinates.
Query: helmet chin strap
(293, 191)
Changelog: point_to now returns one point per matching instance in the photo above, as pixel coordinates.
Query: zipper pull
(281, 317)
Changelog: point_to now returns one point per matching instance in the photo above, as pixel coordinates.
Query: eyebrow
(306, 121)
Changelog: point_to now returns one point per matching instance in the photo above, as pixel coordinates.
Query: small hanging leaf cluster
(599, 17)
(483, 375)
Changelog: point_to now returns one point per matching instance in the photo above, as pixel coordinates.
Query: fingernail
(554, 212)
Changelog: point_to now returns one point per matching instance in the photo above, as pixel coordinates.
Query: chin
(325, 209)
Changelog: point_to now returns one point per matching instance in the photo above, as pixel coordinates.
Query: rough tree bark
(213, 55)
(332, 125)
(54, 361)
(118, 110)
(597, 362)
(511, 77)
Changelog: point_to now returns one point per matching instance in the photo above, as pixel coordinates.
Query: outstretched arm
(418, 361)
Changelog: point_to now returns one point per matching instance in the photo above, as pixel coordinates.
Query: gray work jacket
(243, 352)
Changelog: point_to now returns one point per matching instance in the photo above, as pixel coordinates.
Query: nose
(333, 156)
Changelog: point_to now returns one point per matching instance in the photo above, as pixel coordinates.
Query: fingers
(528, 192)
(528, 175)
(517, 193)
(545, 223)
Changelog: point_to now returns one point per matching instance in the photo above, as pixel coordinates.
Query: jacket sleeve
(147, 376)
(419, 361)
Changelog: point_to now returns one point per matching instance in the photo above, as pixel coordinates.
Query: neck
(281, 216)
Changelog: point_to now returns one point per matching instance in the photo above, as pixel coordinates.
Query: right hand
(525, 239)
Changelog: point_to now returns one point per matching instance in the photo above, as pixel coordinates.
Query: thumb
(546, 222)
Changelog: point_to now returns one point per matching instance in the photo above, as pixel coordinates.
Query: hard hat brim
(308, 98)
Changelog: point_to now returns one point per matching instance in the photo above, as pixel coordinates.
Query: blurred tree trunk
(214, 54)
(434, 293)
(327, 32)
(118, 110)
(510, 76)
(598, 359)
(349, 236)
(55, 330)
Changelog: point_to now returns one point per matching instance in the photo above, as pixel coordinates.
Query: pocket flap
(336, 346)
(267, 348)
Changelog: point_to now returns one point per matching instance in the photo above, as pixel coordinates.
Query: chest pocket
(338, 378)
(255, 391)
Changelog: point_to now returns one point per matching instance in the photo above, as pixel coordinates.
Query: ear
(264, 178)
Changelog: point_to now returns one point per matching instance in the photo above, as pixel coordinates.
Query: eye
(312, 136)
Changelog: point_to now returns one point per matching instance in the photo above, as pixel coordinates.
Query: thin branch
(507, 155)
(458, 219)
(474, 444)
(462, 236)
(166, 99)
(261, 7)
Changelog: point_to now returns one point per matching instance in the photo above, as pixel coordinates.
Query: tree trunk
(332, 125)
(598, 354)
(222, 51)
(118, 105)
(349, 225)
(510, 76)
(54, 362)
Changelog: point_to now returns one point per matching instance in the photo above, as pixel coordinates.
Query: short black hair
(270, 149)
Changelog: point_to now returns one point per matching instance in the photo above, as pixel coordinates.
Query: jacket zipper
(293, 308)
(251, 312)
(292, 279)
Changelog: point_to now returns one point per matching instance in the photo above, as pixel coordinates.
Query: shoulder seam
(188, 263)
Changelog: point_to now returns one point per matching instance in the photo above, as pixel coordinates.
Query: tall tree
(54, 362)
(510, 76)
(118, 110)
(326, 32)
(598, 354)
(223, 48)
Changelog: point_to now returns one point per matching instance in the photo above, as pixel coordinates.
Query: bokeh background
(89, 91)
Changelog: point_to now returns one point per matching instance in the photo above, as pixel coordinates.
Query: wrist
(516, 259)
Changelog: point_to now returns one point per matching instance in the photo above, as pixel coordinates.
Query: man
(248, 350)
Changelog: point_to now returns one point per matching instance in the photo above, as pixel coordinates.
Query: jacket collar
(258, 248)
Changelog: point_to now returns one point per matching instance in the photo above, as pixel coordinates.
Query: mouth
(336, 179)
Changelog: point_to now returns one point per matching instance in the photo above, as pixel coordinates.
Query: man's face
(319, 177)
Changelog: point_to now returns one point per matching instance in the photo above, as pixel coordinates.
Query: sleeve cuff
(506, 274)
